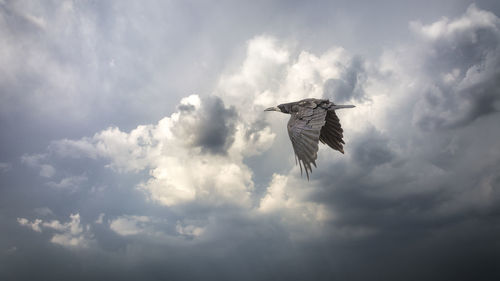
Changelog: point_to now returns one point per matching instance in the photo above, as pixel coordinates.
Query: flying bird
(312, 120)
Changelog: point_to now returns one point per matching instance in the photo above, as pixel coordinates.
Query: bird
(311, 121)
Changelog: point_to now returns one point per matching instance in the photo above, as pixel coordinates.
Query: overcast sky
(134, 145)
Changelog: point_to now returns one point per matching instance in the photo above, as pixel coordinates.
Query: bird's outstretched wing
(331, 133)
(304, 129)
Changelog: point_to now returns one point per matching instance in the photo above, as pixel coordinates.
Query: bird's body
(311, 121)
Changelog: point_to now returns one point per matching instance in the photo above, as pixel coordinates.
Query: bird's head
(280, 108)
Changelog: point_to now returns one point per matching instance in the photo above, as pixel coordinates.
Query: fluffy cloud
(287, 196)
(270, 75)
(193, 155)
(70, 234)
(214, 135)
(189, 230)
(35, 225)
(132, 225)
(288, 200)
(157, 230)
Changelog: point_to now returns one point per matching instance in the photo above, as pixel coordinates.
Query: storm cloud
(215, 132)
(349, 86)
(110, 169)
(461, 67)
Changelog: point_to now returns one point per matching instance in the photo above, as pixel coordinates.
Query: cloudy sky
(134, 145)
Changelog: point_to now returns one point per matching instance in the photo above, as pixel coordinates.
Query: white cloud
(269, 75)
(277, 196)
(144, 227)
(158, 230)
(180, 172)
(189, 230)
(35, 225)
(467, 24)
(287, 196)
(130, 225)
(147, 227)
(70, 234)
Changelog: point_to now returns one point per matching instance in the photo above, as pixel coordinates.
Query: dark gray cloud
(371, 150)
(216, 126)
(405, 216)
(423, 196)
(461, 66)
(349, 85)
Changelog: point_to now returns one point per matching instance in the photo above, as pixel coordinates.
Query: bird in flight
(311, 121)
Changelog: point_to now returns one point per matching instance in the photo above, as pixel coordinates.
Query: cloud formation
(461, 69)
(214, 181)
(70, 234)
(192, 155)
(215, 130)
(130, 225)
(349, 86)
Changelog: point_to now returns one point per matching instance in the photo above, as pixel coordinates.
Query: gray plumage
(311, 121)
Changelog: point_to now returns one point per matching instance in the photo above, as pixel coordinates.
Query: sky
(134, 145)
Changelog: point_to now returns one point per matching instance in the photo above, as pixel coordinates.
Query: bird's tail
(337, 106)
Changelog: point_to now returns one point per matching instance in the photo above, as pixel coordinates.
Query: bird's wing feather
(331, 133)
(304, 129)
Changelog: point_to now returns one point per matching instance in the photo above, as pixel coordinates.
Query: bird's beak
(274, 108)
